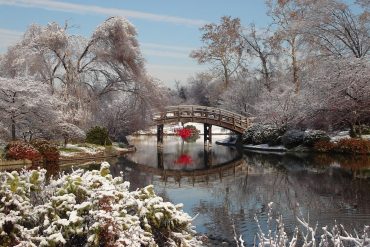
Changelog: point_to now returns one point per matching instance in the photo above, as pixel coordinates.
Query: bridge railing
(194, 112)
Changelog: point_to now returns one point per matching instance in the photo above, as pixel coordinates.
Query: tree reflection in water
(328, 187)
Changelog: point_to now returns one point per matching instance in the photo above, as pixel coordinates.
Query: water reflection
(233, 189)
(175, 153)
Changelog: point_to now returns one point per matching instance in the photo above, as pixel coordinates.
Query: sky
(168, 30)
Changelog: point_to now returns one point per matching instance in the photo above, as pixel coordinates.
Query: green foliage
(99, 136)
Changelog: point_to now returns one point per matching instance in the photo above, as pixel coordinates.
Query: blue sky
(168, 29)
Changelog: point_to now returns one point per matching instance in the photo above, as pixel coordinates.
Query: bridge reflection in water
(209, 172)
(200, 114)
(232, 191)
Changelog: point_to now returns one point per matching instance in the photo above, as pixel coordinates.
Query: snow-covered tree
(223, 47)
(69, 132)
(281, 107)
(364, 3)
(334, 29)
(284, 14)
(27, 107)
(242, 97)
(340, 92)
(204, 89)
(260, 45)
(82, 72)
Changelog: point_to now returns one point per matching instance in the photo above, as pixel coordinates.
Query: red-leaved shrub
(48, 150)
(348, 145)
(324, 146)
(18, 150)
(352, 145)
(189, 133)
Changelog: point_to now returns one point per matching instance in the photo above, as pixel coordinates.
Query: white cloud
(94, 9)
(170, 51)
(8, 37)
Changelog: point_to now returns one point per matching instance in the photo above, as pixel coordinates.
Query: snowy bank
(265, 147)
(86, 150)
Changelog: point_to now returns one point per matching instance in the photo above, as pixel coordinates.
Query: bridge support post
(207, 157)
(207, 134)
(160, 158)
(159, 134)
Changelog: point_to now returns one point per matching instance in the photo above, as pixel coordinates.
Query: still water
(226, 187)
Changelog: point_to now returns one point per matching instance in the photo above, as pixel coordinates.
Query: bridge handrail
(204, 108)
(203, 114)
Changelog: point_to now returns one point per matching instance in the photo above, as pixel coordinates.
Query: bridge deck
(203, 114)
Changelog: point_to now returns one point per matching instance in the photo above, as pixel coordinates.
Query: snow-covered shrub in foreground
(306, 235)
(86, 208)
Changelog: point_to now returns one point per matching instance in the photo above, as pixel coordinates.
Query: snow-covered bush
(88, 208)
(262, 133)
(70, 132)
(308, 235)
(292, 138)
(312, 136)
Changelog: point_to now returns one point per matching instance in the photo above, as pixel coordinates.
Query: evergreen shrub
(99, 136)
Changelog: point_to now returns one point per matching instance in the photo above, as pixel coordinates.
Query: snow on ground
(345, 135)
(265, 147)
(340, 135)
(90, 149)
(67, 154)
(85, 149)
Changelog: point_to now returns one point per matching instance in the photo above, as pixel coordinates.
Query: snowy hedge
(88, 208)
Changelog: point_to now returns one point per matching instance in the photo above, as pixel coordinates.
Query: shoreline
(65, 161)
(281, 149)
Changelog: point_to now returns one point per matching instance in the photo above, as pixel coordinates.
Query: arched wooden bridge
(201, 114)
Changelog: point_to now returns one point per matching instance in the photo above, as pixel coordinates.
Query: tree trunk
(226, 74)
(266, 75)
(352, 131)
(295, 66)
(13, 129)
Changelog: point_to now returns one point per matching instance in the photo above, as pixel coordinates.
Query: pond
(226, 187)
